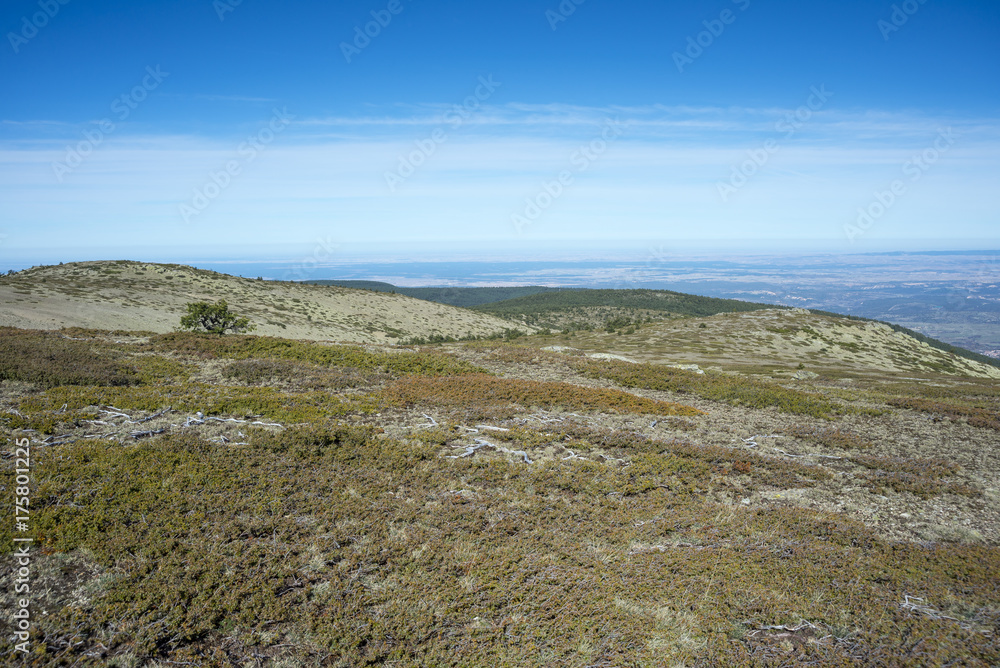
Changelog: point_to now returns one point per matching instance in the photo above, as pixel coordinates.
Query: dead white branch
(609, 458)
(790, 629)
(642, 549)
(151, 417)
(788, 454)
(752, 441)
(144, 434)
(56, 440)
(115, 413)
(920, 605)
(482, 443)
(469, 451)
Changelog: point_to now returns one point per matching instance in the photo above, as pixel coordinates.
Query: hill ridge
(135, 295)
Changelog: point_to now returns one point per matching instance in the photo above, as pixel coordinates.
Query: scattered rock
(609, 356)
(805, 375)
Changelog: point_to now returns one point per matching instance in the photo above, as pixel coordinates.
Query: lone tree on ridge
(215, 318)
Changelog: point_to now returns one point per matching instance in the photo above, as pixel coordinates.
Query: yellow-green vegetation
(925, 478)
(136, 295)
(680, 465)
(49, 360)
(727, 388)
(513, 353)
(347, 528)
(831, 437)
(977, 417)
(211, 400)
(484, 395)
(342, 547)
(298, 375)
(250, 347)
(215, 318)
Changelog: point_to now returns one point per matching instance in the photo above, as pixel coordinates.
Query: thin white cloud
(661, 178)
(236, 98)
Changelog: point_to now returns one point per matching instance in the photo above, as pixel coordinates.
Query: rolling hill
(464, 297)
(125, 295)
(819, 490)
(554, 307)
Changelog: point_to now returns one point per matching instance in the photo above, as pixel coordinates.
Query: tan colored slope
(142, 296)
(781, 340)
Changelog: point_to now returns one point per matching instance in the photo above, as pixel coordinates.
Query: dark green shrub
(48, 359)
(215, 318)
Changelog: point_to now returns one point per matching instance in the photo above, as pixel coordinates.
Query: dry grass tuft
(483, 395)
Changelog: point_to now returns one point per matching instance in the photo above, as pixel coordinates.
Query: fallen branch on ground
(151, 417)
(481, 443)
(752, 441)
(143, 434)
(788, 454)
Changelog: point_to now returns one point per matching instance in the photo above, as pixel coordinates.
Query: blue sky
(147, 128)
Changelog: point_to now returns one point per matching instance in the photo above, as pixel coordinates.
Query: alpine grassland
(231, 500)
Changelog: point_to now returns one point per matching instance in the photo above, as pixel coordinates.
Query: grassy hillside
(144, 296)
(923, 338)
(463, 297)
(777, 342)
(646, 300)
(227, 501)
